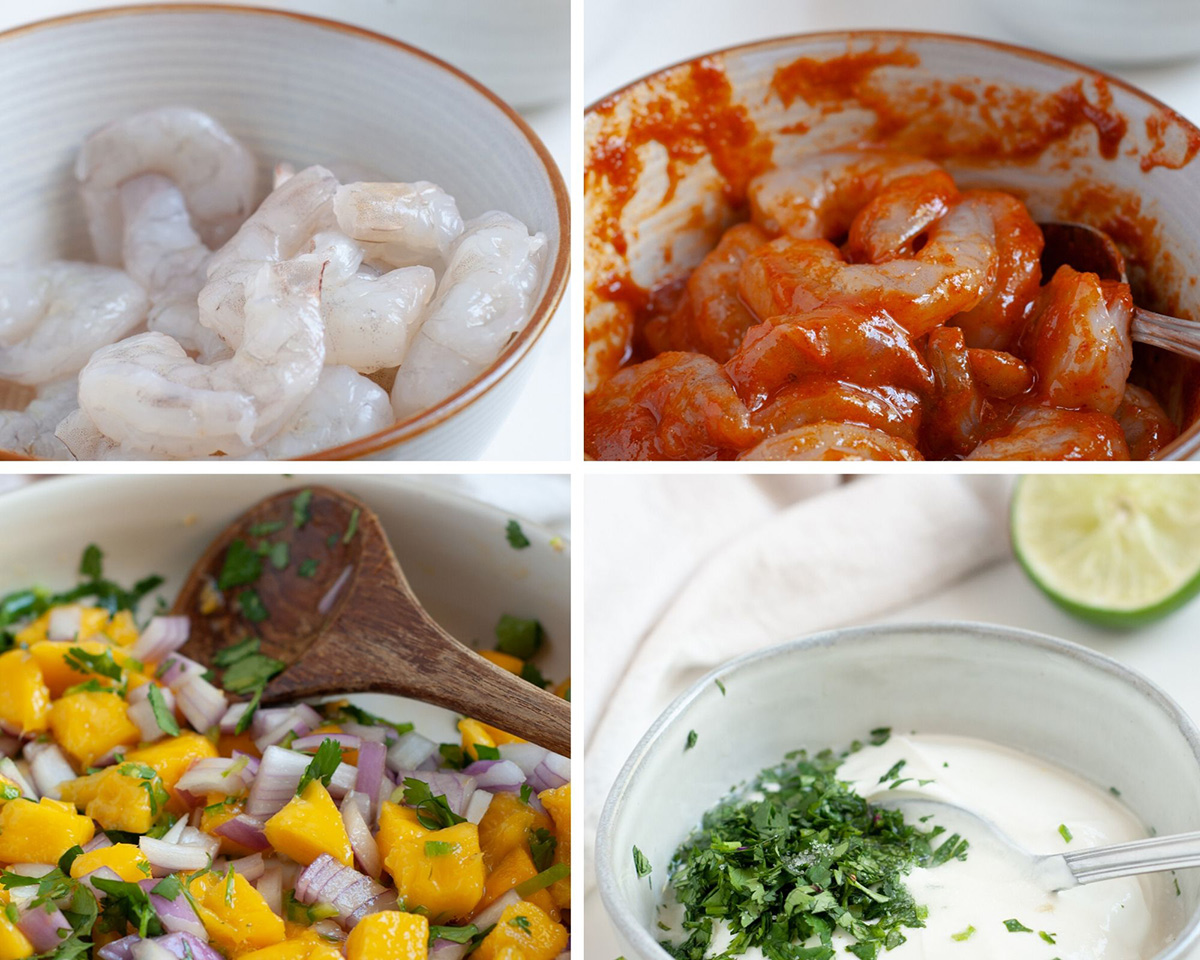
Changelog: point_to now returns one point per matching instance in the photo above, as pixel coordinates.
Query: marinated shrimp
(869, 297)
(219, 326)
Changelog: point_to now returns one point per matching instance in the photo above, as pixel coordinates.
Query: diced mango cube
(473, 735)
(119, 797)
(171, 759)
(501, 736)
(124, 859)
(305, 946)
(515, 868)
(217, 810)
(558, 803)
(41, 832)
(235, 915)
(441, 871)
(89, 724)
(14, 945)
(396, 823)
(121, 629)
(92, 620)
(389, 933)
(309, 826)
(51, 656)
(527, 928)
(24, 697)
(507, 824)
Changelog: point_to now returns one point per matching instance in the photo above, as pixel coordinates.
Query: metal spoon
(1089, 250)
(350, 623)
(1061, 871)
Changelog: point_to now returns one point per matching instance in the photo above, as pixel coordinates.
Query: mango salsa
(88, 724)
(508, 823)
(441, 871)
(309, 826)
(526, 928)
(235, 915)
(127, 797)
(171, 758)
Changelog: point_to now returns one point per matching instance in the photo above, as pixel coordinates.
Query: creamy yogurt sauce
(1028, 800)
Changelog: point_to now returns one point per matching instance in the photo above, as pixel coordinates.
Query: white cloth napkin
(771, 571)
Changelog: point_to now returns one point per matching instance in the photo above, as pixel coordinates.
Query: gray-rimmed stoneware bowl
(1072, 142)
(1047, 697)
(292, 88)
(450, 547)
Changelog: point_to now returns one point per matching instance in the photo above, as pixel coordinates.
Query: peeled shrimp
(53, 316)
(402, 224)
(79, 435)
(482, 301)
(342, 407)
(678, 406)
(165, 255)
(1078, 341)
(817, 400)
(955, 421)
(953, 272)
(146, 394)
(1146, 426)
(1044, 433)
(818, 197)
(216, 174)
(31, 431)
(889, 225)
(369, 322)
(840, 342)
(833, 441)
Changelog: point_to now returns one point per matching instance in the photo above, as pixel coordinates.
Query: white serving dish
(1046, 697)
(450, 547)
(295, 88)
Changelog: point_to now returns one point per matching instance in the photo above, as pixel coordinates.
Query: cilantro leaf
(541, 847)
(453, 934)
(323, 765)
(516, 536)
(1016, 926)
(518, 637)
(692, 737)
(240, 567)
(433, 813)
(162, 713)
(91, 564)
(640, 863)
(301, 513)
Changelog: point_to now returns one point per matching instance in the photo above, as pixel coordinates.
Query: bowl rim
(1184, 446)
(518, 348)
(641, 940)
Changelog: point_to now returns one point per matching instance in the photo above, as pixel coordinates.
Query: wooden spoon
(349, 623)
(1089, 250)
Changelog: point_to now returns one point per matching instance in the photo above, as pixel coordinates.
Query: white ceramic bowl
(984, 109)
(1046, 697)
(450, 548)
(295, 88)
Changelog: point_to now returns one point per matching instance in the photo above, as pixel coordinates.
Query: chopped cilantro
(236, 651)
(101, 663)
(433, 813)
(342, 710)
(692, 737)
(252, 606)
(162, 713)
(551, 875)
(531, 674)
(516, 536)
(484, 752)
(91, 564)
(240, 567)
(1065, 832)
(518, 637)
(266, 529)
(453, 755)
(542, 844)
(352, 527)
(247, 716)
(301, 512)
(323, 765)
(251, 672)
(521, 922)
(526, 792)
(880, 736)
(169, 888)
(720, 685)
(453, 934)
(964, 935)
(1048, 937)
(279, 555)
(130, 903)
(308, 568)
(439, 848)
(640, 863)
(1016, 926)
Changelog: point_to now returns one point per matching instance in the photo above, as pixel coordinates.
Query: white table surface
(539, 426)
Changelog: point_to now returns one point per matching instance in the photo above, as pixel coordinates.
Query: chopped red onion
(447, 950)
(250, 867)
(175, 832)
(477, 806)
(49, 768)
(201, 702)
(98, 842)
(251, 769)
(65, 622)
(456, 787)
(331, 594)
(232, 717)
(279, 774)
(311, 741)
(10, 771)
(162, 635)
(527, 756)
(491, 914)
(174, 857)
(385, 901)
(244, 830)
(372, 757)
(191, 837)
(410, 751)
(270, 886)
(177, 915)
(221, 775)
(119, 949)
(329, 931)
(31, 869)
(174, 946)
(366, 850)
(490, 774)
(363, 732)
(100, 873)
(344, 888)
(553, 772)
(177, 668)
(142, 716)
(41, 926)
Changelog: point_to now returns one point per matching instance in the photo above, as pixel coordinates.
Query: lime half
(1119, 550)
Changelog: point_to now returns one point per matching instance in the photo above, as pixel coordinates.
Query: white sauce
(1027, 799)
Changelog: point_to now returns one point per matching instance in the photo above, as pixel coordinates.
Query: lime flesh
(1120, 550)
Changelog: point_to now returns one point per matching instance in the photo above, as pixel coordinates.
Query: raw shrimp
(1044, 433)
(342, 407)
(953, 272)
(835, 342)
(31, 431)
(1001, 316)
(955, 419)
(678, 406)
(79, 435)
(369, 322)
(281, 228)
(165, 255)
(146, 394)
(889, 226)
(401, 224)
(896, 412)
(999, 375)
(54, 316)
(833, 441)
(711, 317)
(216, 174)
(1146, 426)
(483, 300)
(819, 196)
(1078, 341)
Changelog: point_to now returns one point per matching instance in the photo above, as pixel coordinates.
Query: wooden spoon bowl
(328, 598)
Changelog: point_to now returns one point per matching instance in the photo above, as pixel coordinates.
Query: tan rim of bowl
(525, 339)
(1187, 443)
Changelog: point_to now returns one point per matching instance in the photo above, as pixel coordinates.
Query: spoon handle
(1170, 333)
(1140, 856)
